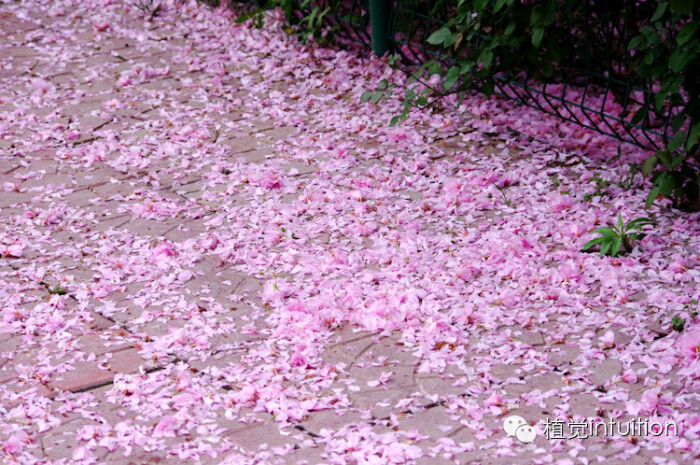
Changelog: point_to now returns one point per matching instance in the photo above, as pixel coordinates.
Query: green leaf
(694, 136)
(449, 42)
(687, 33)
(310, 18)
(451, 78)
(660, 10)
(659, 100)
(487, 87)
(605, 246)
(480, 4)
(458, 40)
(665, 159)
(591, 243)
(382, 84)
(376, 96)
(657, 69)
(434, 68)
(247, 16)
(678, 323)
(676, 162)
(440, 36)
(680, 59)
(537, 36)
(616, 246)
(637, 223)
(682, 6)
(366, 95)
(666, 185)
(536, 15)
(606, 232)
(676, 142)
(620, 224)
(639, 115)
(634, 43)
(678, 121)
(485, 58)
(649, 165)
(498, 5)
(319, 20)
(510, 28)
(544, 13)
(394, 121)
(652, 196)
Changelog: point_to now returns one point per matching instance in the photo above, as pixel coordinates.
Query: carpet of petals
(213, 253)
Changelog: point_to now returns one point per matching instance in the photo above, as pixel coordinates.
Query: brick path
(86, 164)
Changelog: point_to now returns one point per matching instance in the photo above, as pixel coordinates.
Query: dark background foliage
(644, 55)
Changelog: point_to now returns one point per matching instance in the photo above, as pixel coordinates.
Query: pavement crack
(306, 431)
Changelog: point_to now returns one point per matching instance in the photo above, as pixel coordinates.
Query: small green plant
(555, 181)
(292, 235)
(503, 194)
(614, 238)
(601, 188)
(601, 185)
(310, 25)
(691, 308)
(626, 181)
(678, 323)
(257, 16)
(56, 290)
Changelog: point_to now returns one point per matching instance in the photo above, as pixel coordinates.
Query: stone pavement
(150, 201)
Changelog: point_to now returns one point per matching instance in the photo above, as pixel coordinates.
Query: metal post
(379, 23)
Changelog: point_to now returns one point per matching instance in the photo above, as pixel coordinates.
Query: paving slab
(211, 252)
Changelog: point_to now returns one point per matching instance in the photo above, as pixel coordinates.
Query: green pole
(379, 23)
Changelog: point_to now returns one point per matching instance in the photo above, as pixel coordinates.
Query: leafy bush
(649, 45)
(485, 39)
(669, 54)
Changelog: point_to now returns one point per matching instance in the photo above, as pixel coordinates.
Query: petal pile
(213, 252)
